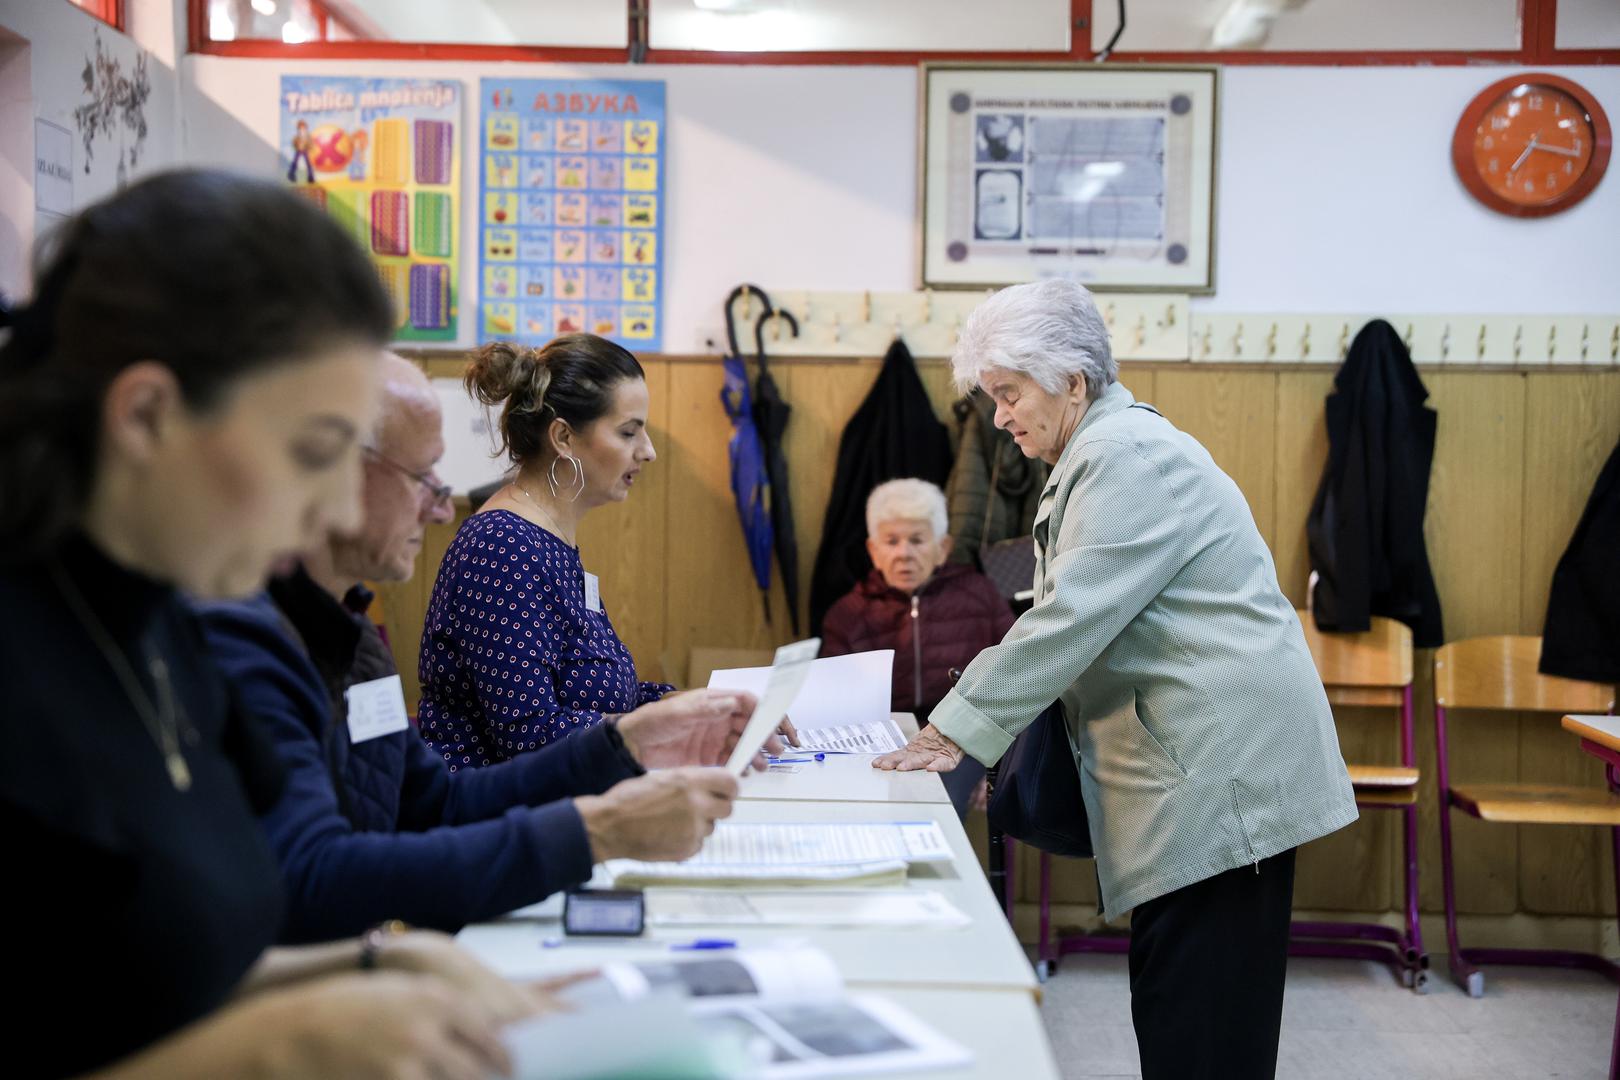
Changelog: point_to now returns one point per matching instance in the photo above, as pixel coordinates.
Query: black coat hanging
(893, 434)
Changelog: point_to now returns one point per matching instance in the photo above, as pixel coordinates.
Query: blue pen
(704, 945)
(791, 760)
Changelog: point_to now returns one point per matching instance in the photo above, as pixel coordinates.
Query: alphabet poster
(382, 156)
(571, 210)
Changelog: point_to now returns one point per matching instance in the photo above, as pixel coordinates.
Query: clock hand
(1528, 148)
(1566, 151)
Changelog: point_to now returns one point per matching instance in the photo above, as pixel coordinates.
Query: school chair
(1499, 674)
(1374, 668)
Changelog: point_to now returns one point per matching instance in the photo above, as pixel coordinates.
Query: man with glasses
(374, 825)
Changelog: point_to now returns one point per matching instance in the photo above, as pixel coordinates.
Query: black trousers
(1207, 969)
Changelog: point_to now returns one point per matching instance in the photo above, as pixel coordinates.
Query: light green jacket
(1204, 738)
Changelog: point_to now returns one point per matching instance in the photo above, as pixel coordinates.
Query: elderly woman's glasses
(440, 491)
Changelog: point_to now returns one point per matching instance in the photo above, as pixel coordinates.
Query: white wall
(1336, 186)
(60, 39)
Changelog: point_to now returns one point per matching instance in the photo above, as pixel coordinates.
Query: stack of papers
(797, 853)
(860, 909)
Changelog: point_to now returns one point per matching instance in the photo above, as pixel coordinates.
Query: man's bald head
(408, 408)
(405, 445)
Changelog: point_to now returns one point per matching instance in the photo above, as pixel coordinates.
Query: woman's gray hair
(1047, 330)
(907, 500)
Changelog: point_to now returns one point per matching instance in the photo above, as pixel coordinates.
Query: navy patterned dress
(512, 658)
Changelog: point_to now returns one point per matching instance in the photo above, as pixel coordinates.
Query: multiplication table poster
(571, 210)
(383, 157)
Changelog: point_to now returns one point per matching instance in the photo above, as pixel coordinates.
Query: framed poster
(571, 210)
(1098, 172)
(383, 157)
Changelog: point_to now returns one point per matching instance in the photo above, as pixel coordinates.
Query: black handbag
(1035, 790)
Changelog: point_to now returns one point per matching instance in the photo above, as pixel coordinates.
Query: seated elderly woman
(1205, 744)
(934, 615)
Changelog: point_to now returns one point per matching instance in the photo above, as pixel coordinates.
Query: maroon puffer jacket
(956, 614)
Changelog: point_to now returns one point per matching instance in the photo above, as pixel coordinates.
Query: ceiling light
(1247, 23)
(265, 7)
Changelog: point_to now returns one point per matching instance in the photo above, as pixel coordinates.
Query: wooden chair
(1499, 673)
(1374, 668)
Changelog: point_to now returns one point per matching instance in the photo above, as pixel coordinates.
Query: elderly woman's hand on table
(928, 750)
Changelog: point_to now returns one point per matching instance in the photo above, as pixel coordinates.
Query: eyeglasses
(440, 491)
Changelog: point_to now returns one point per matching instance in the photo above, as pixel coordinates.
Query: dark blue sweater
(382, 829)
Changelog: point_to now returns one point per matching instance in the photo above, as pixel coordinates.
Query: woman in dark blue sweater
(518, 650)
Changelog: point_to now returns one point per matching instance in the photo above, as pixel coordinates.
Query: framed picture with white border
(1103, 173)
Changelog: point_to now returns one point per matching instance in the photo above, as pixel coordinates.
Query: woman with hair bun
(517, 649)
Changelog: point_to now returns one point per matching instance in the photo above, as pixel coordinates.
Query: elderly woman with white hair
(935, 615)
(1204, 740)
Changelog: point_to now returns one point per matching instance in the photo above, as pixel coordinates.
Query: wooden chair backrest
(1500, 673)
(1371, 667)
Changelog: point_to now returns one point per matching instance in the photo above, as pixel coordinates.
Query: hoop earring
(577, 483)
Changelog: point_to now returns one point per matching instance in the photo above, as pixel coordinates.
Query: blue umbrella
(750, 480)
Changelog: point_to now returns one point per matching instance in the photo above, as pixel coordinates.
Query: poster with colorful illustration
(572, 207)
(382, 156)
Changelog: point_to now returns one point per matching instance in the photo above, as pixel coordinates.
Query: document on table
(895, 909)
(819, 843)
(781, 686)
(838, 692)
(870, 737)
(812, 852)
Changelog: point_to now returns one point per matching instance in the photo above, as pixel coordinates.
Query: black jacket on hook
(893, 434)
(1582, 636)
(1365, 530)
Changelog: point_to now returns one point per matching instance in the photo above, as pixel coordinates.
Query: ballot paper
(870, 737)
(807, 852)
(629, 874)
(783, 679)
(865, 909)
(839, 692)
(821, 843)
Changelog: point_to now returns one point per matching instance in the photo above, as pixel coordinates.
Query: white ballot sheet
(871, 737)
(890, 909)
(783, 679)
(815, 843)
(838, 692)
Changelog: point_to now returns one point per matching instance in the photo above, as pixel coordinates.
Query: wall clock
(1531, 145)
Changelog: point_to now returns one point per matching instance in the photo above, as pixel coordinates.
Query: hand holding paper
(695, 727)
(788, 672)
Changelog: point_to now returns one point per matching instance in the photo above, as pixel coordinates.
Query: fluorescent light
(265, 7)
(1247, 23)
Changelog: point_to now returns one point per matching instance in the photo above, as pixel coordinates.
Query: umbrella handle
(759, 329)
(731, 300)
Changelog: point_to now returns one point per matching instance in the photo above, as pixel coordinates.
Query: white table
(848, 778)
(1003, 1030)
(983, 956)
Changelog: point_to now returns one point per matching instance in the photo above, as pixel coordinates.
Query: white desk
(1003, 1030)
(848, 778)
(982, 956)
